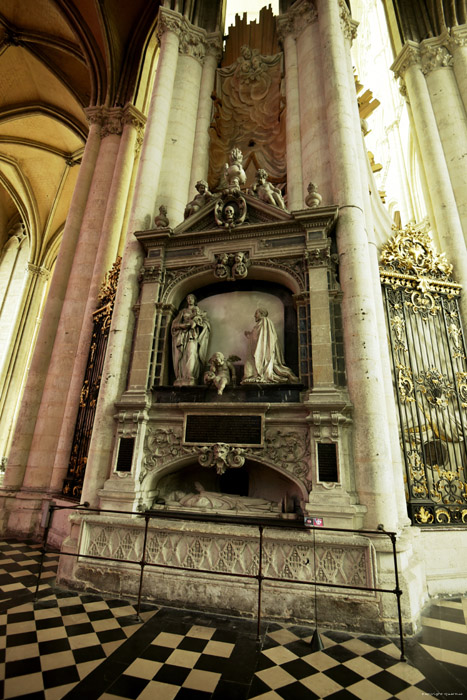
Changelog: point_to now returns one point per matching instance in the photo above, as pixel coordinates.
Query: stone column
(372, 454)
(73, 322)
(121, 331)
(458, 48)
(200, 163)
(124, 122)
(31, 402)
(448, 225)
(178, 153)
(450, 117)
(295, 192)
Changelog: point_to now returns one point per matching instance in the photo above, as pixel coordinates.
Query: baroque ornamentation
(412, 252)
(435, 386)
(231, 266)
(318, 257)
(288, 450)
(221, 456)
(162, 446)
(108, 288)
(313, 198)
(230, 211)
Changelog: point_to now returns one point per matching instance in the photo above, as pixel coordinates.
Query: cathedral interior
(233, 369)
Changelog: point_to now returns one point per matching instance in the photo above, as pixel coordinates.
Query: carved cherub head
(201, 186)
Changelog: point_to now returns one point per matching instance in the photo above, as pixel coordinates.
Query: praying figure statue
(190, 338)
(266, 191)
(264, 362)
(202, 198)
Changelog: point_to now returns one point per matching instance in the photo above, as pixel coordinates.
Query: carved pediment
(209, 216)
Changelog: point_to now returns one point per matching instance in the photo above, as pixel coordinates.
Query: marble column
(295, 192)
(448, 224)
(144, 202)
(450, 117)
(372, 454)
(24, 430)
(200, 162)
(125, 122)
(73, 323)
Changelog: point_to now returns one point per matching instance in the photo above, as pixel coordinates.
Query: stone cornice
(296, 19)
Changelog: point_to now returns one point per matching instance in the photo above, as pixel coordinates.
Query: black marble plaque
(233, 429)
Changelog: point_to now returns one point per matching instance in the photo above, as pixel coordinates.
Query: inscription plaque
(232, 429)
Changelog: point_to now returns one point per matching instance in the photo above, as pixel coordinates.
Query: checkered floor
(69, 645)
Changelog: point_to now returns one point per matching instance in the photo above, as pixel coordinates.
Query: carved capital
(132, 116)
(435, 57)
(408, 57)
(168, 21)
(150, 274)
(192, 43)
(457, 38)
(38, 271)
(214, 46)
(348, 25)
(94, 115)
(296, 19)
(112, 122)
(319, 257)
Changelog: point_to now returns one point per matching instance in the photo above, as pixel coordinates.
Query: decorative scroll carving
(231, 266)
(289, 450)
(162, 446)
(221, 456)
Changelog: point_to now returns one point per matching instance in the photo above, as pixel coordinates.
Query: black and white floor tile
(70, 645)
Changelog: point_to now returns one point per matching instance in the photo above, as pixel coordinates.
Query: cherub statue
(161, 221)
(267, 192)
(233, 170)
(203, 196)
(221, 371)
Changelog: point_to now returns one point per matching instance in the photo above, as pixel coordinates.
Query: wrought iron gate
(73, 483)
(430, 376)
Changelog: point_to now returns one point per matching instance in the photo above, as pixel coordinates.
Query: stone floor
(69, 645)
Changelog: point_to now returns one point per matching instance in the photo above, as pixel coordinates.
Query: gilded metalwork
(430, 376)
(92, 379)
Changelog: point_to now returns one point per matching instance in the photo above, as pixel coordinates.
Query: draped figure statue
(264, 362)
(190, 338)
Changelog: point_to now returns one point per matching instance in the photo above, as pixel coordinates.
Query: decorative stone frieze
(221, 456)
(296, 19)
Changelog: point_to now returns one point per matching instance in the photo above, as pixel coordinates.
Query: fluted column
(200, 163)
(125, 122)
(448, 224)
(372, 454)
(31, 402)
(121, 331)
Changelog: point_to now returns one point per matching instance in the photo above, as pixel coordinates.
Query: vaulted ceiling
(58, 57)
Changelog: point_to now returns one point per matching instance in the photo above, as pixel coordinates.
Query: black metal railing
(259, 576)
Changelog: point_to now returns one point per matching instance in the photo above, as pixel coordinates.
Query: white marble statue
(212, 500)
(221, 371)
(190, 337)
(266, 191)
(202, 198)
(264, 361)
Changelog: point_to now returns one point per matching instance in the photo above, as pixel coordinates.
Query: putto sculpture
(234, 174)
(199, 200)
(264, 362)
(266, 191)
(221, 371)
(190, 337)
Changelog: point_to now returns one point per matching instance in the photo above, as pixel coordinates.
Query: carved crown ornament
(410, 259)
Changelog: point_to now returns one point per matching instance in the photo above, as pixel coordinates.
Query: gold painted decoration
(412, 252)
